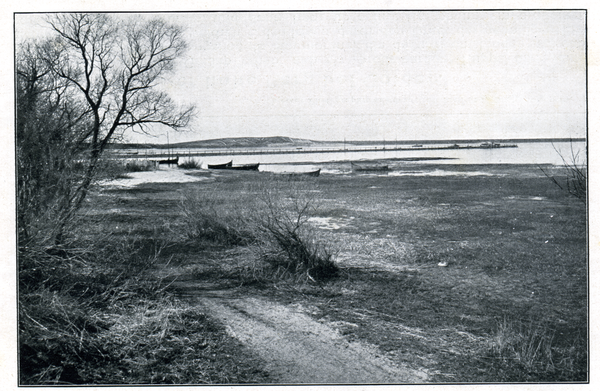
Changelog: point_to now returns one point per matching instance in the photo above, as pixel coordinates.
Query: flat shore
(435, 268)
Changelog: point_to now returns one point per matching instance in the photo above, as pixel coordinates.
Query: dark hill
(237, 142)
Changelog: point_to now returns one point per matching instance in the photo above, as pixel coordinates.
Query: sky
(383, 75)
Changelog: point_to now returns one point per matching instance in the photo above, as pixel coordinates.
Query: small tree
(103, 74)
(48, 134)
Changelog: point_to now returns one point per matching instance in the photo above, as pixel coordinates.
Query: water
(536, 153)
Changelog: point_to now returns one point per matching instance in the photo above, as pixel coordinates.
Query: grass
(511, 306)
(214, 214)
(514, 249)
(101, 314)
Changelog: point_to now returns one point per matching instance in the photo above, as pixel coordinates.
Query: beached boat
(370, 167)
(221, 166)
(315, 173)
(230, 166)
(248, 167)
(169, 161)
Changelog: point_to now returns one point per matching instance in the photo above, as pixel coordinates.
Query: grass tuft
(190, 164)
(531, 352)
(140, 165)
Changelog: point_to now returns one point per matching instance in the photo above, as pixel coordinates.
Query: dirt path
(297, 349)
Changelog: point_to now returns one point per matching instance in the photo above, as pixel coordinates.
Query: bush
(190, 164)
(288, 242)
(140, 165)
(272, 218)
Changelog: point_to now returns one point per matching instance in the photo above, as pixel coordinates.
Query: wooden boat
(370, 167)
(169, 161)
(315, 173)
(221, 166)
(230, 166)
(248, 167)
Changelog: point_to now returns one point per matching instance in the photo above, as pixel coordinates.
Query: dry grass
(511, 305)
(514, 249)
(217, 215)
(101, 314)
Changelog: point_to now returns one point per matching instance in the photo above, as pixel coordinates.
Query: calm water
(525, 153)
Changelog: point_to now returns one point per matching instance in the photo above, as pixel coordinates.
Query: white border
(8, 360)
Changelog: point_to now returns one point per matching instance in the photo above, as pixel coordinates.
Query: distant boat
(488, 144)
(370, 167)
(418, 146)
(315, 173)
(221, 166)
(248, 167)
(169, 161)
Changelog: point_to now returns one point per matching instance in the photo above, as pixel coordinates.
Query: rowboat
(371, 167)
(220, 166)
(315, 173)
(169, 161)
(248, 167)
(230, 166)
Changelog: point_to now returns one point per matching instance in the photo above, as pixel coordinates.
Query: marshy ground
(509, 304)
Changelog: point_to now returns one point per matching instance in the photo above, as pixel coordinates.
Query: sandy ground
(162, 175)
(296, 349)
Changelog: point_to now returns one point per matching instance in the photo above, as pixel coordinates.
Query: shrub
(288, 243)
(140, 165)
(190, 164)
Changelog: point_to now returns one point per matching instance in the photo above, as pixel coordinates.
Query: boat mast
(168, 147)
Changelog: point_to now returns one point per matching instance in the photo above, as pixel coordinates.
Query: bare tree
(106, 72)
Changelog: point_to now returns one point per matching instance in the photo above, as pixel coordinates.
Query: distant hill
(241, 142)
(230, 142)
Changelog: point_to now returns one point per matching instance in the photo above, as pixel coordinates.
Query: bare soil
(297, 349)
